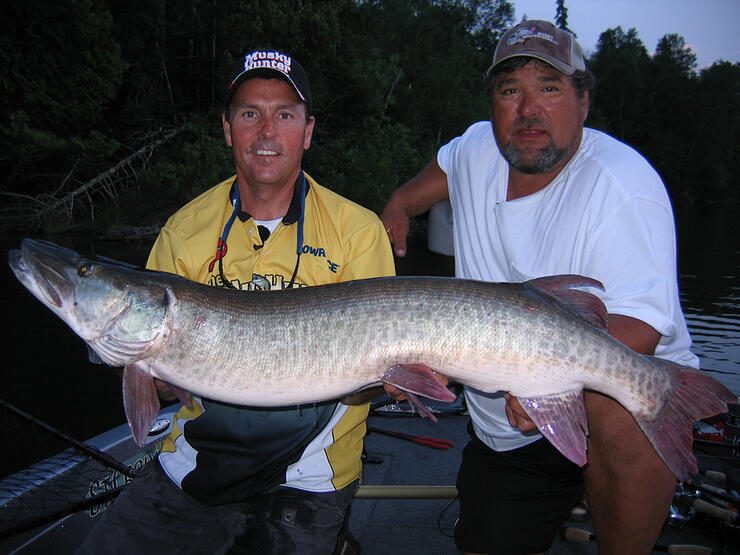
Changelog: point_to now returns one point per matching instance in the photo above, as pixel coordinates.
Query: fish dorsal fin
(583, 305)
(562, 420)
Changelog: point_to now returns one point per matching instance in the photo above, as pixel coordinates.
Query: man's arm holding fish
(619, 453)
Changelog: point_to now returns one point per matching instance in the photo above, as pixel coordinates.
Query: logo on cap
(523, 35)
(270, 60)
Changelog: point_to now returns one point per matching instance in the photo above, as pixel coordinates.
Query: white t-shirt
(606, 216)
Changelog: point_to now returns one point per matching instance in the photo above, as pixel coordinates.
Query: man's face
(268, 132)
(537, 118)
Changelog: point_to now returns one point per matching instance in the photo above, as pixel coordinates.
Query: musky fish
(542, 341)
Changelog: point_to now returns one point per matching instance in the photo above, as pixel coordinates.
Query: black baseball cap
(271, 63)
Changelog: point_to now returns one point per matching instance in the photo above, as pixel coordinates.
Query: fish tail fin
(695, 395)
(140, 401)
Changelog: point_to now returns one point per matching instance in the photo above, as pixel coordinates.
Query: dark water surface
(46, 372)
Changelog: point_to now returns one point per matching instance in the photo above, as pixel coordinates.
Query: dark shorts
(152, 515)
(513, 502)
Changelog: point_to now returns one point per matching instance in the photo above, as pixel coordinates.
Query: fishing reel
(709, 505)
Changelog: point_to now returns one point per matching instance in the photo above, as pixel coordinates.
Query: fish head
(107, 303)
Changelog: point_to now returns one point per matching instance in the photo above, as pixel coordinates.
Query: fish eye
(83, 269)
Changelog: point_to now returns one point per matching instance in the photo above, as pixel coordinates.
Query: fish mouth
(40, 267)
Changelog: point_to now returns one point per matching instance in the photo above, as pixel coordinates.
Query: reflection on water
(715, 329)
(709, 259)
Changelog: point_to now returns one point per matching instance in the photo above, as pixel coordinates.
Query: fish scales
(297, 336)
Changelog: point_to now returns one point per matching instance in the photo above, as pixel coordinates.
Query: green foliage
(713, 121)
(86, 83)
(668, 112)
(406, 77)
(186, 166)
(61, 69)
(620, 64)
(561, 15)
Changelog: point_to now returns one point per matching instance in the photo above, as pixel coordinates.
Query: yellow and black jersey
(222, 453)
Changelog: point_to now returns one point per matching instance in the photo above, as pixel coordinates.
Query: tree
(561, 16)
(671, 119)
(621, 64)
(61, 69)
(411, 78)
(717, 132)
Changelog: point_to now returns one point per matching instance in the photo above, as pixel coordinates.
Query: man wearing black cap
(534, 193)
(256, 480)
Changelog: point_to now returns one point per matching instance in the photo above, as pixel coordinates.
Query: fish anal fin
(581, 304)
(695, 395)
(561, 418)
(418, 379)
(364, 395)
(140, 400)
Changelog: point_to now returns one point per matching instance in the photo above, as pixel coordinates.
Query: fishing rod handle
(707, 508)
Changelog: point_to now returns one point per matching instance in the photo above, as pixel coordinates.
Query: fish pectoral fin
(561, 418)
(418, 379)
(92, 356)
(140, 400)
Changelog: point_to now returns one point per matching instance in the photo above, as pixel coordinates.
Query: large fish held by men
(543, 341)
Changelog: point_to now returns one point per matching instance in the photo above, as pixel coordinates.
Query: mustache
(265, 145)
(526, 123)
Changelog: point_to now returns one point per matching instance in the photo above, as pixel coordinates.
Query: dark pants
(513, 502)
(152, 515)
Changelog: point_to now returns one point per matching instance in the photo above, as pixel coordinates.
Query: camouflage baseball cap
(541, 40)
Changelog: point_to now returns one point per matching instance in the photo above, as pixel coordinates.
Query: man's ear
(585, 105)
(308, 133)
(227, 128)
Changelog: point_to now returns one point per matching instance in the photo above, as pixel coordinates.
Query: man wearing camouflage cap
(534, 193)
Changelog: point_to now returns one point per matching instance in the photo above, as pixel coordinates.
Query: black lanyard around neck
(236, 203)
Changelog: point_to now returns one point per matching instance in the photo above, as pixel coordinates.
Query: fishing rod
(92, 452)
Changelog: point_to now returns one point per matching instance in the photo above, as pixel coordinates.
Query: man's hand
(516, 415)
(417, 196)
(397, 223)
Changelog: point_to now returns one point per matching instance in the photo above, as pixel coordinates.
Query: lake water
(46, 372)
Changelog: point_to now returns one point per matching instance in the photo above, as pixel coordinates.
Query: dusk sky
(709, 27)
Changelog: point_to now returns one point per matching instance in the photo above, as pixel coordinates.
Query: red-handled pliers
(421, 440)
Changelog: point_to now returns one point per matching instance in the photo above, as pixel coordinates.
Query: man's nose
(529, 104)
(267, 129)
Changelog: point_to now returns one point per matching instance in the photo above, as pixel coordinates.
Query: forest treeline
(118, 100)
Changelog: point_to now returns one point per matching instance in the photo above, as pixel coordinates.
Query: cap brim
(265, 71)
(557, 64)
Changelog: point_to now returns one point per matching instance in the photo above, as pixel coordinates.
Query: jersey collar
(294, 210)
